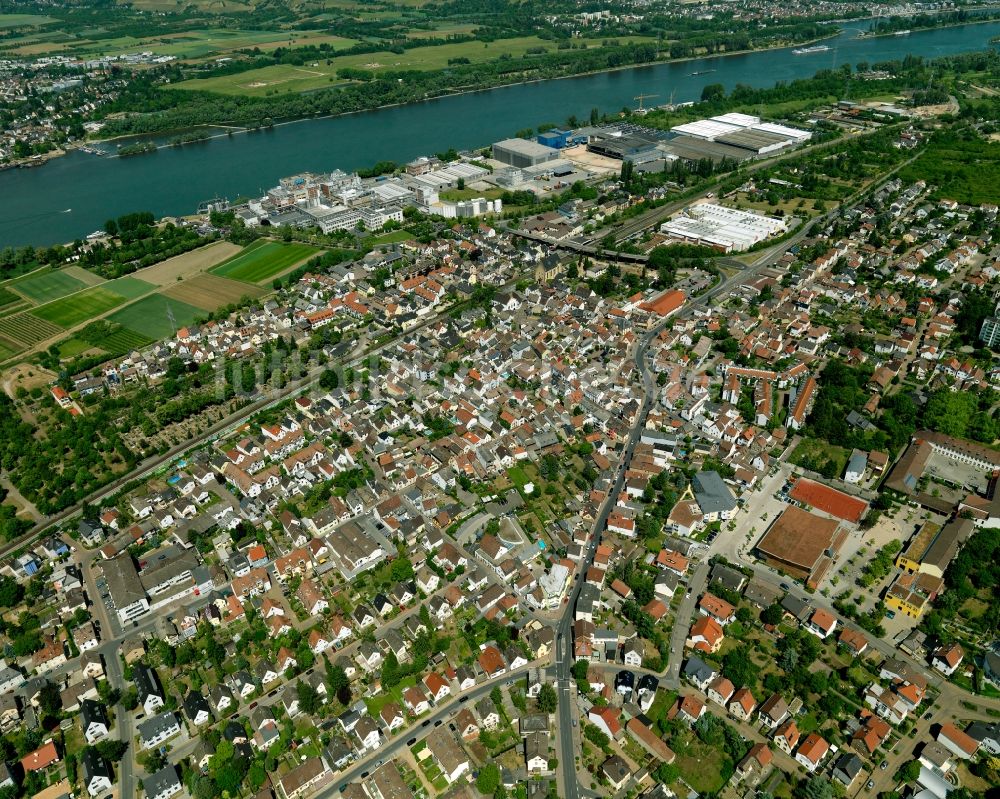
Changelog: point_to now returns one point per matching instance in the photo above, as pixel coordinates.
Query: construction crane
(642, 97)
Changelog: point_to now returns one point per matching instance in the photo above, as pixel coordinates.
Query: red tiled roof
(44, 756)
(610, 718)
(962, 740)
(823, 619)
(491, 660)
(667, 302)
(714, 606)
(829, 500)
(814, 748)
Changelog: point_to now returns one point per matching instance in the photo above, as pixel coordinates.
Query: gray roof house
(155, 730)
(147, 684)
(97, 776)
(196, 708)
(846, 768)
(163, 784)
(699, 672)
(728, 577)
(712, 494)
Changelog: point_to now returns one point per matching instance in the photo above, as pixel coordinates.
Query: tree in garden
(308, 697)
(738, 667)
(489, 779)
(667, 773)
(816, 787)
(547, 699)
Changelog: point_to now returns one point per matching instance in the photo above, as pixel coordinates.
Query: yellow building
(912, 592)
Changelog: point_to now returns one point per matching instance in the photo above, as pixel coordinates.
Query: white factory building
(464, 209)
(744, 131)
(446, 178)
(725, 229)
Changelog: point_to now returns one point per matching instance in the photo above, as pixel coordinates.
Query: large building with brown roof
(910, 468)
(828, 500)
(801, 544)
(932, 547)
(664, 304)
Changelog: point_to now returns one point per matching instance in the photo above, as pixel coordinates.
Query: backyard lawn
(811, 451)
(704, 768)
(394, 694)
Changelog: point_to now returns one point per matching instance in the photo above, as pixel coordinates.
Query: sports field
(47, 286)
(323, 74)
(151, 316)
(263, 260)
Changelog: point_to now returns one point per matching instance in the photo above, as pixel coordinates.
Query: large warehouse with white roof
(723, 228)
(742, 131)
(522, 153)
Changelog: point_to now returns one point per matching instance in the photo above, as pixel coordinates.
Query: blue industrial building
(558, 139)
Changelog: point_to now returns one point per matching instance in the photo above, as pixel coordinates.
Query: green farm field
(8, 297)
(48, 286)
(150, 316)
(79, 307)
(24, 20)
(22, 330)
(202, 43)
(131, 288)
(218, 6)
(104, 335)
(188, 45)
(124, 340)
(321, 75)
(83, 305)
(443, 29)
(263, 260)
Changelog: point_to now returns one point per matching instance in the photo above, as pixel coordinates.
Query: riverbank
(178, 179)
(39, 160)
(233, 130)
(891, 34)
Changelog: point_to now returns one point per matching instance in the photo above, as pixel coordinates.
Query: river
(73, 195)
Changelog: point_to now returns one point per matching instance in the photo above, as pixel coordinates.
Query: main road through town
(564, 637)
